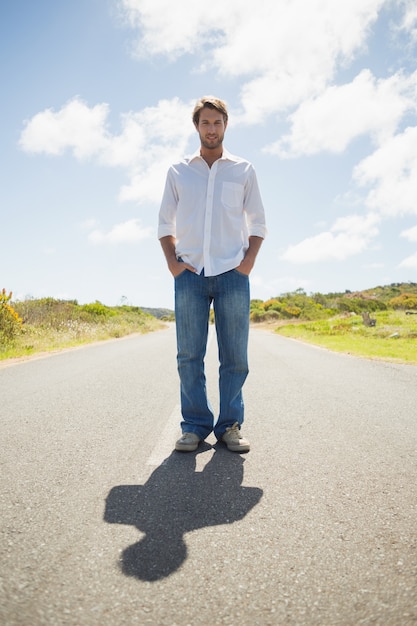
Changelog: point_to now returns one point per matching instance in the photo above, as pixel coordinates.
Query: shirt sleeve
(254, 209)
(168, 209)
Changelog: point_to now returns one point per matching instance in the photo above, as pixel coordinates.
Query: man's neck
(210, 156)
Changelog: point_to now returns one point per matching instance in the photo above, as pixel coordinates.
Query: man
(211, 227)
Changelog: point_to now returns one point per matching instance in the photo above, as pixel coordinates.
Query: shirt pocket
(232, 195)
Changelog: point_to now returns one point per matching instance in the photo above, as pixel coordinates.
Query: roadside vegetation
(32, 326)
(393, 338)
(376, 323)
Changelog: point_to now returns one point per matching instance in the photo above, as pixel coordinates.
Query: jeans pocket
(183, 273)
(240, 273)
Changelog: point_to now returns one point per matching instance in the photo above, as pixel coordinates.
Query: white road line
(171, 432)
(169, 435)
(211, 335)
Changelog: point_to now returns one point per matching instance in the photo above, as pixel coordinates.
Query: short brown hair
(211, 103)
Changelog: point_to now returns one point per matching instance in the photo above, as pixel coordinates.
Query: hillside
(383, 293)
(316, 306)
(160, 314)
(372, 299)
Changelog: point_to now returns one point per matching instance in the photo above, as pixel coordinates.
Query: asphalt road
(103, 524)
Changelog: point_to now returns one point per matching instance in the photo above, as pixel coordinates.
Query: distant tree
(319, 298)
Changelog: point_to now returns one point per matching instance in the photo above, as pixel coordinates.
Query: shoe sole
(189, 448)
(237, 448)
(244, 447)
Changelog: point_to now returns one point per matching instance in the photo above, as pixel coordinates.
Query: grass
(51, 325)
(394, 338)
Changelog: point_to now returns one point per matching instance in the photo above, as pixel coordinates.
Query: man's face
(211, 127)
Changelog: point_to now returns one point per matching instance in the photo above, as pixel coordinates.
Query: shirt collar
(226, 156)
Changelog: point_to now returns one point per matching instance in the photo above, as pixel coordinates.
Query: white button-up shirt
(212, 212)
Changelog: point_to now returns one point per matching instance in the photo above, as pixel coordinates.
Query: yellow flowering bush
(404, 301)
(10, 322)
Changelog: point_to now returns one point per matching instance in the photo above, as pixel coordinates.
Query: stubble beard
(212, 145)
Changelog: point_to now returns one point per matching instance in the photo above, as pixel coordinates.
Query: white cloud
(391, 174)
(148, 142)
(330, 121)
(349, 236)
(332, 28)
(410, 233)
(299, 54)
(409, 22)
(167, 129)
(410, 262)
(125, 232)
(147, 179)
(75, 126)
(173, 32)
(300, 46)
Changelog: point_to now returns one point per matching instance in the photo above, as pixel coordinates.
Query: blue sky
(96, 103)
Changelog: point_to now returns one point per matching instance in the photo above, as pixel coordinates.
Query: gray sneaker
(188, 442)
(234, 440)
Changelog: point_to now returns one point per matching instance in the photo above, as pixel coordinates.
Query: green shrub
(98, 310)
(47, 312)
(258, 315)
(359, 305)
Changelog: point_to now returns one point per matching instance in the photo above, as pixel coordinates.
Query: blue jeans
(194, 294)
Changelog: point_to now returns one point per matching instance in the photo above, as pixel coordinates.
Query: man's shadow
(175, 500)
